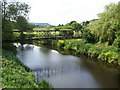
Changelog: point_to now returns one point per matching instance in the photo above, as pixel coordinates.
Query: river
(66, 71)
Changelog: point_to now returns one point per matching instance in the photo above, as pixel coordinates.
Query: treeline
(100, 37)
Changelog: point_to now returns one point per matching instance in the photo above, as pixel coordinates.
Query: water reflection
(106, 77)
(65, 71)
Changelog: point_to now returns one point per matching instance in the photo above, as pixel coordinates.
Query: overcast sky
(63, 11)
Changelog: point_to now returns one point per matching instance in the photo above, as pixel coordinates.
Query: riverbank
(99, 51)
(105, 74)
(16, 75)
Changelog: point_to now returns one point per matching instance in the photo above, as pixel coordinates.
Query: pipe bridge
(17, 35)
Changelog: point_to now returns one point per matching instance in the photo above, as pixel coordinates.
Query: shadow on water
(67, 71)
(105, 75)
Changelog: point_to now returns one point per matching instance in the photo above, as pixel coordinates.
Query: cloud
(63, 11)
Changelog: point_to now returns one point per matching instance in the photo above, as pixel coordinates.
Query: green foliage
(9, 47)
(100, 51)
(30, 26)
(76, 26)
(73, 25)
(7, 26)
(13, 10)
(14, 16)
(45, 84)
(110, 54)
(116, 42)
(16, 12)
(108, 24)
(56, 28)
(88, 36)
(15, 75)
(60, 43)
(22, 23)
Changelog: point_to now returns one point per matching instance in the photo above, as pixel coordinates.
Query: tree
(108, 25)
(21, 23)
(88, 36)
(75, 25)
(85, 23)
(12, 13)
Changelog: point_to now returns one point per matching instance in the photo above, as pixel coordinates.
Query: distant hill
(42, 24)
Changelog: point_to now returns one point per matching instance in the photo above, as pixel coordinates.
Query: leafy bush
(60, 43)
(101, 51)
(9, 47)
(44, 84)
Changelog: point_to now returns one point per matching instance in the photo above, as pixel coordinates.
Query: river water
(66, 71)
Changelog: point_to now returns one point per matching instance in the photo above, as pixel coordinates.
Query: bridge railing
(42, 34)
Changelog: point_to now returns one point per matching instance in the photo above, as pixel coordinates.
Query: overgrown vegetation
(100, 51)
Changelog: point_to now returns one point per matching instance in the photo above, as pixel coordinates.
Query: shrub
(60, 43)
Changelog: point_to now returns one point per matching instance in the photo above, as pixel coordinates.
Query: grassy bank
(16, 75)
(100, 51)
